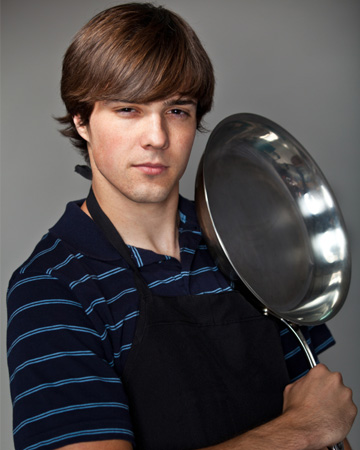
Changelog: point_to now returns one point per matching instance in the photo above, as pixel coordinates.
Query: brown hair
(137, 52)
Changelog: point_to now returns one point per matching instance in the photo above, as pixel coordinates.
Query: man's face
(140, 151)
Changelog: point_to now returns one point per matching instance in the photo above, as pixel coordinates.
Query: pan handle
(312, 362)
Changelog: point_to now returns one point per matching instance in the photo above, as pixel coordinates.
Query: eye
(178, 112)
(125, 110)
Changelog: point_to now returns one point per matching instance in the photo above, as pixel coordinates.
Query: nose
(155, 133)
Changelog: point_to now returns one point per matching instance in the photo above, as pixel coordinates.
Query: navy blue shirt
(73, 309)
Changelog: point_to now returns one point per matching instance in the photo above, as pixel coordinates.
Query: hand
(321, 405)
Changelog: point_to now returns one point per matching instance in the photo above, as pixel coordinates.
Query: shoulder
(74, 238)
(72, 262)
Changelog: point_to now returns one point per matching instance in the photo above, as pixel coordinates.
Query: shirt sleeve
(64, 387)
(319, 338)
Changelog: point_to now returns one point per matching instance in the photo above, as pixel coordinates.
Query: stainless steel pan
(272, 222)
(271, 219)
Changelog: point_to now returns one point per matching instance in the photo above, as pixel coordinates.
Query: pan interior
(270, 219)
(260, 226)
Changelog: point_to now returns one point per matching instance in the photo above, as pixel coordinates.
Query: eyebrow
(180, 102)
(170, 102)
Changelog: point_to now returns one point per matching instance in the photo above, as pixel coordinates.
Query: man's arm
(318, 412)
(113, 444)
(124, 445)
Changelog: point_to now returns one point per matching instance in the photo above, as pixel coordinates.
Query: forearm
(318, 412)
(261, 438)
(278, 433)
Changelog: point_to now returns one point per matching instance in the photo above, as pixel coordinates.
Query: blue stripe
(119, 324)
(187, 250)
(42, 303)
(122, 349)
(321, 347)
(182, 217)
(297, 350)
(64, 263)
(126, 291)
(29, 280)
(216, 291)
(49, 357)
(96, 277)
(292, 353)
(70, 408)
(182, 230)
(203, 270)
(64, 382)
(50, 329)
(74, 328)
(299, 376)
(75, 434)
(183, 275)
(100, 300)
(90, 309)
(168, 280)
(137, 256)
(48, 250)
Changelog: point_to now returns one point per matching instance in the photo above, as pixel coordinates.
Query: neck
(152, 226)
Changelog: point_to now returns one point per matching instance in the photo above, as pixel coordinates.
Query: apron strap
(114, 237)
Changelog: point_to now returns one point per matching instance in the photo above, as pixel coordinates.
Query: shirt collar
(81, 233)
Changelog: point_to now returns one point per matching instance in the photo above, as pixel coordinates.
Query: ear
(81, 128)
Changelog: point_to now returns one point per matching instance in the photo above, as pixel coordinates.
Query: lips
(151, 168)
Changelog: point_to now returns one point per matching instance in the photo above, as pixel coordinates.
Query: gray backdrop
(295, 62)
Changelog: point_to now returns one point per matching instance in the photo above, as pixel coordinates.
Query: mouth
(151, 168)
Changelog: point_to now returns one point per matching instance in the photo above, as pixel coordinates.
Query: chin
(149, 197)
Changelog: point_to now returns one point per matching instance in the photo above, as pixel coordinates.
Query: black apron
(202, 368)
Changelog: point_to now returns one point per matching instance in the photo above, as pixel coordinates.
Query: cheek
(184, 149)
(187, 143)
(106, 148)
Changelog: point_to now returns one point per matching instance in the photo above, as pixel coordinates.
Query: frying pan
(272, 223)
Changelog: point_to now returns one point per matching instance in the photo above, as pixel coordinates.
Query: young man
(122, 331)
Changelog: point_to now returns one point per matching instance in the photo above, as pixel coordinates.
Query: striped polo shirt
(72, 314)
